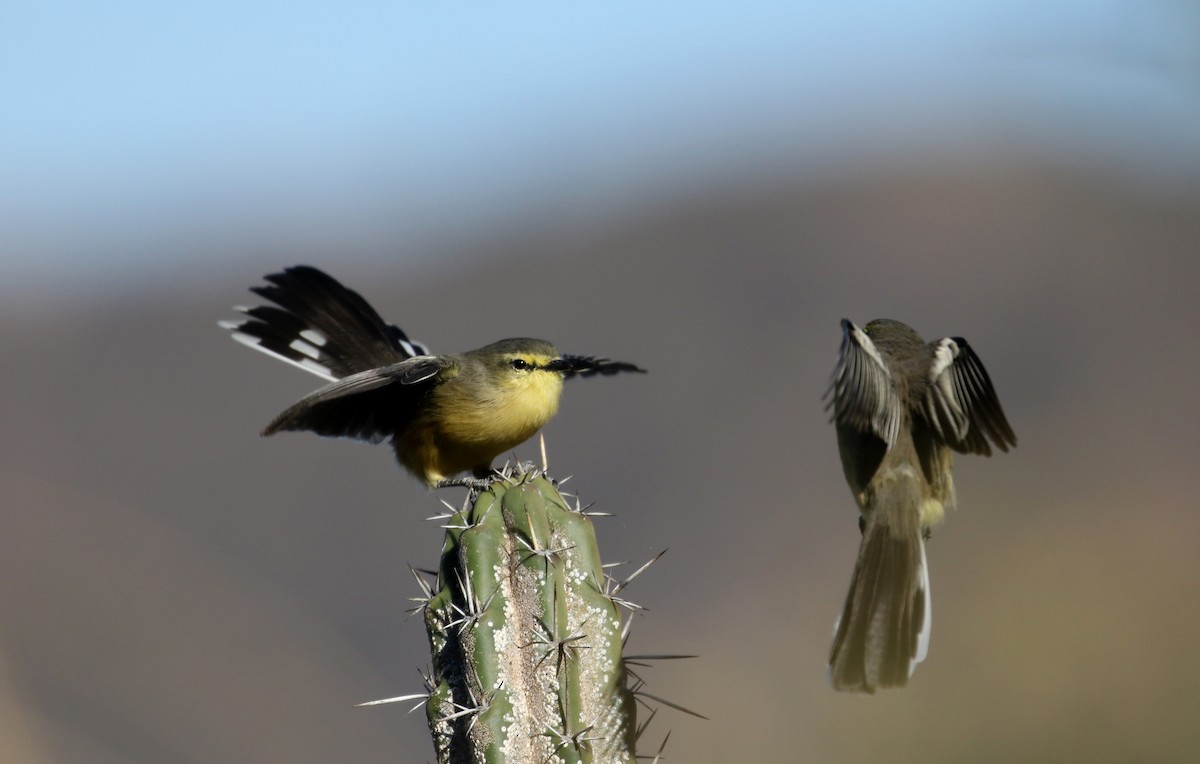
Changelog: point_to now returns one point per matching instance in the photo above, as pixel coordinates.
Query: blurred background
(702, 190)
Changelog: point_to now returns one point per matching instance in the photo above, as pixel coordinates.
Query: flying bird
(901, 406)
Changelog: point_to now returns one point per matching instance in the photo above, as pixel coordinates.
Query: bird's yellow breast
(508, 412)
(465, 427)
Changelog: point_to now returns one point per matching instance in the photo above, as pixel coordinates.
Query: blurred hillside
(177, 589)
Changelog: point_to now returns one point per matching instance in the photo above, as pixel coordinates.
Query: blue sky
(130, 129)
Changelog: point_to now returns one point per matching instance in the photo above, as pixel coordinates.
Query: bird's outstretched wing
(320, 326)
(862, 392)
(371, 405)
(960, 403)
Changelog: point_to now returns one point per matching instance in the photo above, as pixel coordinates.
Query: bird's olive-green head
(518, 356)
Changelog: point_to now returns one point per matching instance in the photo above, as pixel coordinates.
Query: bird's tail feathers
(883, 632)
(320, 326)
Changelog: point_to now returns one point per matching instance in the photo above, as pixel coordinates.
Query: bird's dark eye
(520, 364)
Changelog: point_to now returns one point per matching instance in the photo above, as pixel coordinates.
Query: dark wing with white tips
(960, 403)
(320, 326)
(862, 393)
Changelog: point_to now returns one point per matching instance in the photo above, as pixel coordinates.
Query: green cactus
(525, 634)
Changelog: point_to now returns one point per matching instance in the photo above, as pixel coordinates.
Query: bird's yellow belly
(468, 433)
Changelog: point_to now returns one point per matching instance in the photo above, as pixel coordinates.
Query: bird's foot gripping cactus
(526, 638)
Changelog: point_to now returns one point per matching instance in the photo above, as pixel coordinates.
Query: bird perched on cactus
(901, 405)
(443, 414)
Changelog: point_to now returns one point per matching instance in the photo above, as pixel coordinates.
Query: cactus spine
(526, 641)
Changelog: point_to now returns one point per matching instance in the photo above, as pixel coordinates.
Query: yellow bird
(444, 414)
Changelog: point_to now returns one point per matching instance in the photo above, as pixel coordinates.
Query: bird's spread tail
(320, 326)
(883, 632)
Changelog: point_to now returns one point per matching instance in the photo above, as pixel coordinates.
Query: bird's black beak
(559, 364)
